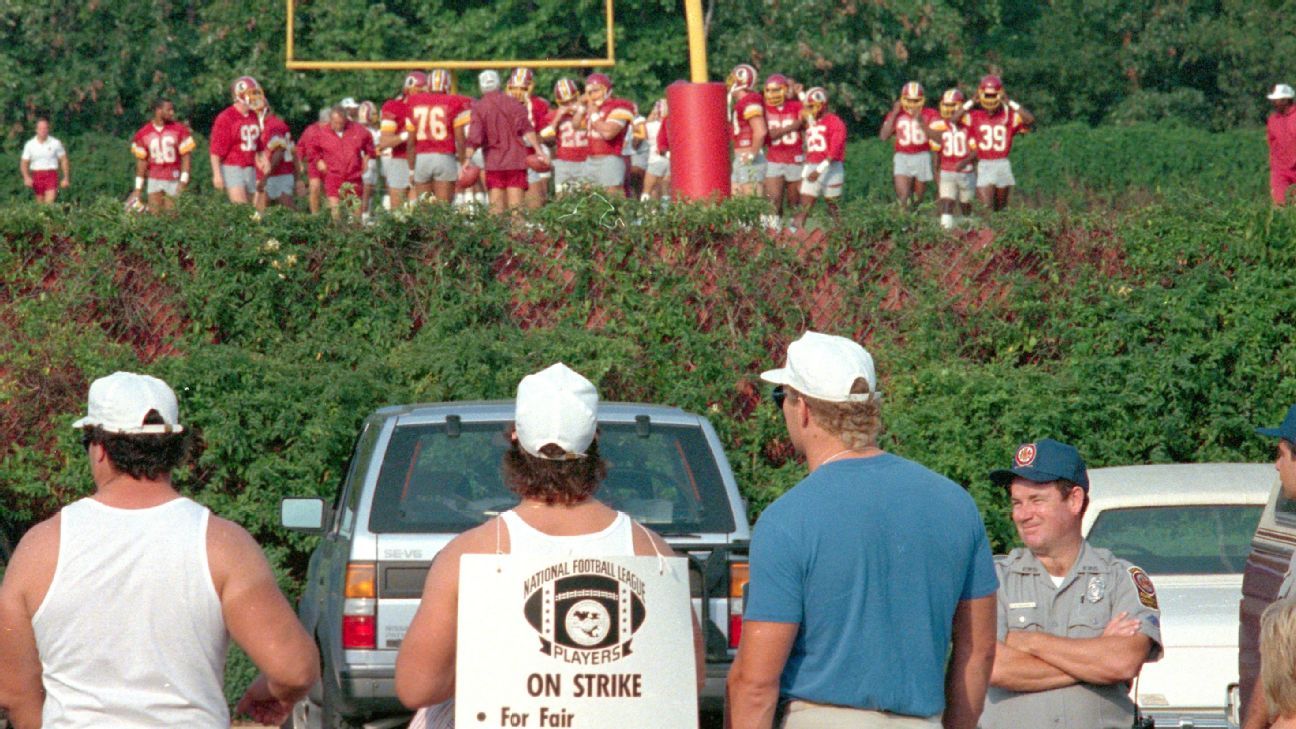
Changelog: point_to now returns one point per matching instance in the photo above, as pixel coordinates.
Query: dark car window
(1179, 540)
(432, 481)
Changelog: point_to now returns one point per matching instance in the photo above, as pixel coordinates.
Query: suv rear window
(1179, 540)
(433, 482)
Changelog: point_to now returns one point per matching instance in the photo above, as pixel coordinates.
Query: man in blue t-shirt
(872, 593)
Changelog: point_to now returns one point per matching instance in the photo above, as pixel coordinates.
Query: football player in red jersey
(953, 143)
(162, 148)
(435, 124)
(907, 122)
(784, 158)
(275, 166)
(825, 145)
(747, 115)
(394, 138)
(235, 141)
(520, 84)
(607, 120)
(570, 140)
(995, 120)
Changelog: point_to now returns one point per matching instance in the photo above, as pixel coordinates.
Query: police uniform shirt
(1098, 588)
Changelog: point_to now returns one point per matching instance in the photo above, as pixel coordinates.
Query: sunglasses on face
(778, 395)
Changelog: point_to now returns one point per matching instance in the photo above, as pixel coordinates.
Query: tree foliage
(95, 65)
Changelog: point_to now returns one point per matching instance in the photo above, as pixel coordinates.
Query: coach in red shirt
(1281, 128)
(341, 156)
(500, 125)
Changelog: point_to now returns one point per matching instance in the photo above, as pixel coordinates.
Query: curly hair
(1277, 651)
(858, 424)
(144, 456)
(562, 482)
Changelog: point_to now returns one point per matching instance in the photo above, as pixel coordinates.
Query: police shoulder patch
(1143, 584)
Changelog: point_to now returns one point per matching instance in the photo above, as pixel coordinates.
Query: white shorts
(279, 186)
(244, 177)
(829, 183)
(435, 168)
(640, 159)
(370, 175)
(568, 174)
(170, 187)
(994, 173)
(917, 166)
(748, 173)
(789, 171)
(606, 170)
(806, 715)
(658, 166)
(533, 177)
(396, 172)
(478, 160)
(959, 186)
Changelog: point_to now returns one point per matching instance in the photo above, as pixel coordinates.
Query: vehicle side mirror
(303, 514)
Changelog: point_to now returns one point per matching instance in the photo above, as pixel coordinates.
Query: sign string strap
(661, 560)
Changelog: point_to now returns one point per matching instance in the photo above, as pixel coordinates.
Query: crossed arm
(1034, 661)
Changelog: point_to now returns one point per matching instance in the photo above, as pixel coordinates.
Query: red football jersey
(236, 138)
(432, 120)
(751, 105)
(825, 139)
(162, 147)
(571, 143)
(395, 117)
(955, 144)
(910, 135)
(537, 112)
(613, 109)
(993, 133)
(785, 149)
(275, 135)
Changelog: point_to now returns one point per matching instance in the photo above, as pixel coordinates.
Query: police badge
(1096, 589)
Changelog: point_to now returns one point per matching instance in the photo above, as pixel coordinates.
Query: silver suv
(420, 474)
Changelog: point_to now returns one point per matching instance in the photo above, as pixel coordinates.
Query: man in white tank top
(554, 466)
(117, 611)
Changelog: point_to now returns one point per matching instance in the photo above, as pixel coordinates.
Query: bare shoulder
(226, 538)
(481, 539)
(650, 543)
(233, 553)
(31, 569)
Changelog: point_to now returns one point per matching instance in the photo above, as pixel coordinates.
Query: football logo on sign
(1025, 455)
(585, 611)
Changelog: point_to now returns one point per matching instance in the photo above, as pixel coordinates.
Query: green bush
(1157, 334)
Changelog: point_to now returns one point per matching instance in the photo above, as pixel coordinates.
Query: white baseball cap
(120, 402)
(825, 367)
(488, 80)
(556, 405)
(349, 103)
(1281, 91)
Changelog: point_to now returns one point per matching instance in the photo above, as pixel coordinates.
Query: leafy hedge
(1159, 334)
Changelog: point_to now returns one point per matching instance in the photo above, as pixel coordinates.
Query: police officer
(1075, 623)
(1255, 713)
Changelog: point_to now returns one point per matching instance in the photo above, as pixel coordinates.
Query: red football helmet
(951, 103)
(597, 86)
(816, 101)
(742, 77)
(248, 91)
(566, 91)
(912, 98)
(776, 89)
(367, 114)
(439, 81)
(990, 92)
(414, 81)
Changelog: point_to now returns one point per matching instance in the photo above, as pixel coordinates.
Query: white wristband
(823, 166)
(404, 137)
(184, 177)
(139, 183)
(1014, 106)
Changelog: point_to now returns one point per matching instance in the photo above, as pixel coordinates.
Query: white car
(1189, 526)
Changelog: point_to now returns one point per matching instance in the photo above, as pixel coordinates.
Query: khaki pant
(805, 715)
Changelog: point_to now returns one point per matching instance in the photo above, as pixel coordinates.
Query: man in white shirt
(42, 158)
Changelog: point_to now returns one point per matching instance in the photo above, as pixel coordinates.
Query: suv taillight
(360, 607)
(737, 587)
